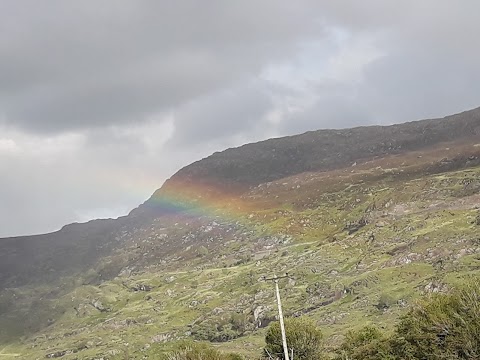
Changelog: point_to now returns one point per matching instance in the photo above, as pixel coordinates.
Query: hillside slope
(324, 150)
(365, 219)
(235, 170)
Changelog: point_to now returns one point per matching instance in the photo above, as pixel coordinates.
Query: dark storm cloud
(74, 65)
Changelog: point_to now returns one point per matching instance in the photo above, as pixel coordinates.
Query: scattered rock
(170, 279)
(260, 316)
(262, 295)
(435, 287)
(397, 249)
(97, 304)
(114, 352)
(57, 354)
(217, 311)
(161, 338)
(352, 227)
(141, 287)
(125, 272)
(258, 311)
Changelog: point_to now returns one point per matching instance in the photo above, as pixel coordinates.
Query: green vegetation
(222, 330)
(302, 335)
(363, 245)
(368, 343)
(442, 326)
(196, 351)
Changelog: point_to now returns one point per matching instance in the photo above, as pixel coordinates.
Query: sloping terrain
(365, 220)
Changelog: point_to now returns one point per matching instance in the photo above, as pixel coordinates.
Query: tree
(302, 336)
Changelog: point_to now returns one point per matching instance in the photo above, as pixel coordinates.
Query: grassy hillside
(361, 242)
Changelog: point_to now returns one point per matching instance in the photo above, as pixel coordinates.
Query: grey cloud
(223, 114)
(43, 193)
(112, 71)
(31, 199)
(115, 98)
(115, 146)
(408, 87)
(428, 67)
(76, 65)
(329, 111)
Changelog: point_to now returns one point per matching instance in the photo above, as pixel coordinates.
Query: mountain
(235, 170)
(366, 219)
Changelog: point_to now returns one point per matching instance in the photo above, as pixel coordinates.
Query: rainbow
(200, 199)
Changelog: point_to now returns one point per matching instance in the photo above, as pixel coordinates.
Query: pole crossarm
(275, 278)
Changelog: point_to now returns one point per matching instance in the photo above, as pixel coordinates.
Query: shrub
(386, 301)
(219, 331)
(302, 336)
(202, 251)
(240, 322)
(198, 351)
(442, 327)
(205, 331)
(367, 343)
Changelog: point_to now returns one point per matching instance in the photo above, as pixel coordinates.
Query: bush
(240, 322)
(205, 331)
(439, 327)
(221, 330)
(198, 351)
(443, 327)
(302, 336)
(385, 302)
(367, 343)
(202, 251)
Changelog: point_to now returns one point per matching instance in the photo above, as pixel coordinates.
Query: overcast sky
(102, 100)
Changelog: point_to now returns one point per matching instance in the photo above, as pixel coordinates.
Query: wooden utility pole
(280, 313)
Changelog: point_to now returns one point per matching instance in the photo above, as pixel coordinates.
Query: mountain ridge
(216, 171)
(236, 169)
(362, 239)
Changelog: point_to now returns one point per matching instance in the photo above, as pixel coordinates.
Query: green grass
(427, 236)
